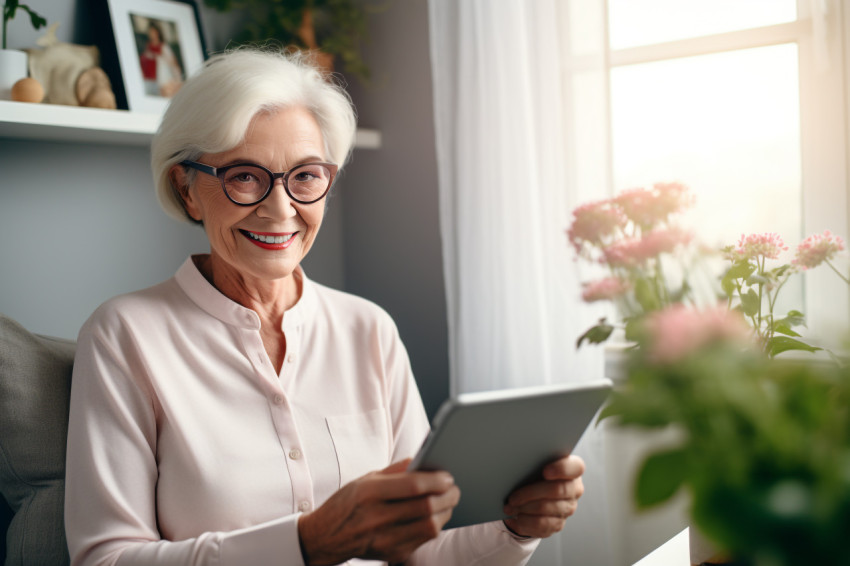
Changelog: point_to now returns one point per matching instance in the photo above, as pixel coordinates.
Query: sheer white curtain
(521, 127)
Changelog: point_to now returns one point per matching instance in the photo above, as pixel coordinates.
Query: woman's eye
(303, 176)
(244, 178)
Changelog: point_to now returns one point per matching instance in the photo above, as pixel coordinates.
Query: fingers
(422, 516)
(547, 490)
(397, 467)
(534, 526)
(383, 515)
(389, 484)
(567, 468)
(561, 508)
(540, 509)
(403, 525)
(540, 518)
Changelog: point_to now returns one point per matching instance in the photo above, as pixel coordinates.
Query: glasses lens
(308, 182)
(246, 183)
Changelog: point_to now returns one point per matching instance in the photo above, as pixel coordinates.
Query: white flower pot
(13, 67)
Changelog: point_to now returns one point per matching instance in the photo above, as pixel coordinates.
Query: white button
(295, 453)
(304, 505)
(291, 358)
(278, 399)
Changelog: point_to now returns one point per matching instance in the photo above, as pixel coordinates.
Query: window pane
(641, 22)
(728, 126)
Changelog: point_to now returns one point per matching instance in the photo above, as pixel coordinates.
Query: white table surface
(674, 552)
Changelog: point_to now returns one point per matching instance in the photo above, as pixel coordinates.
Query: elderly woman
(241, 414)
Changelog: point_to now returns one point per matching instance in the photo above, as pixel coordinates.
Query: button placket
(293, 343)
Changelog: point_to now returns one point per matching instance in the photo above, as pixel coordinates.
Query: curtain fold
(520, 105)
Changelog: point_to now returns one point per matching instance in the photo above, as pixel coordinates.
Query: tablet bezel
(479, 437)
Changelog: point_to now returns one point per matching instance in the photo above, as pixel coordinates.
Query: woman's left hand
(540, 509)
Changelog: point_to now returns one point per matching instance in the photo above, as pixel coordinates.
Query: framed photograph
(159, 44)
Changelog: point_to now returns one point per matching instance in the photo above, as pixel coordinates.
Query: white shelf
(52, 122)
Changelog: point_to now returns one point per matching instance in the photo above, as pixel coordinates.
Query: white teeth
(270, 239)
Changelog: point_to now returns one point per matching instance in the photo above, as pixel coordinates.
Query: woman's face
(278, 141)
(153, 36)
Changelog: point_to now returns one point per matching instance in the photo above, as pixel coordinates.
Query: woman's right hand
(384, 515)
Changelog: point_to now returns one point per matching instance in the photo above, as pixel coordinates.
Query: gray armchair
(35, 382)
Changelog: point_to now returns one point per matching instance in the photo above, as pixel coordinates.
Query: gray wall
(390, 216)
(79, 223)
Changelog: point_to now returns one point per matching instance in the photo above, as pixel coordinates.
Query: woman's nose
(277, 204)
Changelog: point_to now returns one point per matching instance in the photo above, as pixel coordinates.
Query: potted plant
(327, 29)
(13, 63)
(763, 446)
(762, 442)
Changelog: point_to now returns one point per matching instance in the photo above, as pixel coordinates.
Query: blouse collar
(211, 300)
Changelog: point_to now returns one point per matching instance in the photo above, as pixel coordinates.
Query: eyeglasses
(247, 184)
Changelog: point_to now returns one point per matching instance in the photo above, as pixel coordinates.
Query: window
(743, 101)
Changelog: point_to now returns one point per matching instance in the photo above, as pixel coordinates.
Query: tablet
(493, 442)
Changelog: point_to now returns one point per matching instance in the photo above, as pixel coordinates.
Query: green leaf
(660, 477)
(757, 279)
(596, 334)
(779, 344)
(778, 272)
(36, 20)
(740, 270)
(795, 318)
(645, 295)
(728, 286)
(634, 330)
(782, 327)
(750, 303)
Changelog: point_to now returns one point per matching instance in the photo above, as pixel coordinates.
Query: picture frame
(159, 44)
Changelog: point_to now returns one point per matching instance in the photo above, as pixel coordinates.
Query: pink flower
(679, 331)
(664, 240)
(593, 222)
(626, 253)
(604, 289)
(649, 207)
(768, 245)
(634, 252)
(816, 249)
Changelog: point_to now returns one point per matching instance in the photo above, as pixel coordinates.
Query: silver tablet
(493, 442)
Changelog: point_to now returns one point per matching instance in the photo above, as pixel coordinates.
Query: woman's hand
(540, 509)
(383, 515)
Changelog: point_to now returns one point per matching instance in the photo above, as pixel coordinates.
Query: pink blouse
(186, 448)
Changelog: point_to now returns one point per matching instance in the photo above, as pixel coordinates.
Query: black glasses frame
(283, 175)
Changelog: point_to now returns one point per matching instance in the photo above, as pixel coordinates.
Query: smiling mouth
(269, 241)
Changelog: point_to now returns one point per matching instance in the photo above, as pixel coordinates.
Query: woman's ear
(180, 182)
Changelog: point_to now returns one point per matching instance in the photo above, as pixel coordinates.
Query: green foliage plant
(10, 7)
(762, 441)
(763, 447)
(336, 27)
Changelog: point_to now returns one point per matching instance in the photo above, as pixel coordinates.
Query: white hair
(212, 111)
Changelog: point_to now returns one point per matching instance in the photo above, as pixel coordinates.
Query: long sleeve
(112, 475)
(488, 544)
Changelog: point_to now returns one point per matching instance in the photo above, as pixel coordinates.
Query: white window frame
(821, 33)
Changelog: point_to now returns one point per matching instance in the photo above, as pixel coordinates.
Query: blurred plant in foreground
(763, 443)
